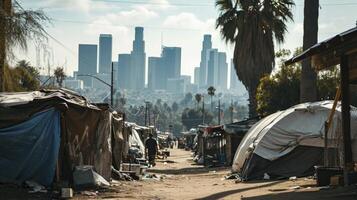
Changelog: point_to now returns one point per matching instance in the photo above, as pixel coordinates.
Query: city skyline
(166, 22)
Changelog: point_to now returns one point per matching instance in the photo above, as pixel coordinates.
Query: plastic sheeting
(29, 150)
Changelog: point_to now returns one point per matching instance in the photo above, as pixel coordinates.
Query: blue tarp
(29, 150)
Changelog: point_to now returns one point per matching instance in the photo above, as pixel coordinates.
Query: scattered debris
(232, 176)
(295, 187)
(66, 193)
(120, 176)
(152, 177)
(85, 176)
(293, 178)
(90, 193)
(213, 172)
(266, 176)
(35, 187)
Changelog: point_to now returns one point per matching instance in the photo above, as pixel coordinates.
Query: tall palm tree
(210, 91)
(308, 83)
(59, 75)
(252, 26)
(198, 98)
(17, 27)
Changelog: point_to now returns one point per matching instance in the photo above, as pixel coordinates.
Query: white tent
(290, 142)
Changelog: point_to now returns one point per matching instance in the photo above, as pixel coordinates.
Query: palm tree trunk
(308, 87)
(252, 101)
(6, 6)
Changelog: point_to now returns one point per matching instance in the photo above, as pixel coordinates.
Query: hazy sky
(179, 23)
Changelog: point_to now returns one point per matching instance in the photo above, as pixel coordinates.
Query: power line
(154, 3)
(131, 26)
(198, 5)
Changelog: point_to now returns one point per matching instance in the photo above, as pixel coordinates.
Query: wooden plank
(346, 117)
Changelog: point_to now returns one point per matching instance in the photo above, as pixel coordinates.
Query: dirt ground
(179, 179)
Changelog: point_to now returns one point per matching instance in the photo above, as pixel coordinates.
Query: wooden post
(346, 117)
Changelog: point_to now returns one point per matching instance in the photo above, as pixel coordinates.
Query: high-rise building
(222, 71)
(138, 58)
(156, 79)
(124, 71)
(87, 62)
(212, 68)
(196, 76)
(172, 61)
(236, 85)
(206, 46)
(105, 53)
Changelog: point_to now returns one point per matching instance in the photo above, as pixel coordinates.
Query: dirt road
(181, 179)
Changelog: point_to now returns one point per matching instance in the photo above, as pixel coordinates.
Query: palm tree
(210, 91)
(308, 83)
(59, 75)
(198, 98)
(252, 26)
(17, 27)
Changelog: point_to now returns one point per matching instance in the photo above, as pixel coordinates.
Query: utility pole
(203, 109)
(232, 109)
(219, 111)
(112, 87)
(6, 6)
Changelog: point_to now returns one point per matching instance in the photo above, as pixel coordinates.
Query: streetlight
(109, 85)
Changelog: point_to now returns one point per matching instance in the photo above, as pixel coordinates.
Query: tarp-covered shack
(45, 134)
(234, 133)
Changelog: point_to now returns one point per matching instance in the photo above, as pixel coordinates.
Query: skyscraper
(206, 46)
(222, 71)
(87, 62)
(196, 76)
(156, 79)
(212, 68)
(124, 71)
(138, 58)
(105, 53)
(172, 61)
(236, 85)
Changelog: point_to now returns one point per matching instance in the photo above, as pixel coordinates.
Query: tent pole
(328, 125)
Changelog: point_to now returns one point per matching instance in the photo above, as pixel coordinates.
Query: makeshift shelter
(290, 142)
(189, 137)
(338, 50)
(48, 131)
(234, 133)
(211, 146)
(135, 147)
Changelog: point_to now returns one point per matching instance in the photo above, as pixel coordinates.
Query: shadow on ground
(187, 170)
(333, 194)
(221, 195)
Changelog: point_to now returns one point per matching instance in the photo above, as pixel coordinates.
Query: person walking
(151, 149)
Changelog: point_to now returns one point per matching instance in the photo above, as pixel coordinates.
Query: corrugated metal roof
(325, 45)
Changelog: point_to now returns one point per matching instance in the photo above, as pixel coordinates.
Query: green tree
(282, 90)
(174, 107)
(18, 26)
(211, 91)
(60, 75)
(191, 118)
(308, 84)
(251, 25)
(198, 98)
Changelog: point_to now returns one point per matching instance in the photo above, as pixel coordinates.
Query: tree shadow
(230, 192)
(333, 194)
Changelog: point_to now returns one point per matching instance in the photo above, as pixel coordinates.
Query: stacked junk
(57, 136)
